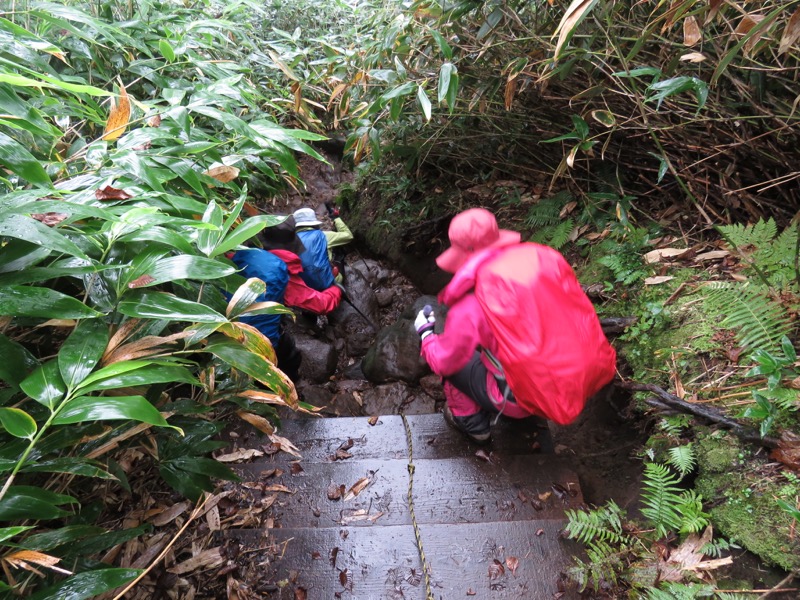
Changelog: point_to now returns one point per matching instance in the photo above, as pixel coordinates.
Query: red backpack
(551, 347)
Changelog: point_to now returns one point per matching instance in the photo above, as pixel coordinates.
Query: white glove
(424, 322)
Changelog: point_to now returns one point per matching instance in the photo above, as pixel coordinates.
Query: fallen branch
(675, 403)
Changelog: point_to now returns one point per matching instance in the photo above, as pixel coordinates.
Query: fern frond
(742, 236)
(547, 212)
(683, 458)
(661, 497)
(603, 524)
(784, 398)
(554, 236)
(605, 563)
(759, 321)
(693, 519)
(716, 547)
(680, 591)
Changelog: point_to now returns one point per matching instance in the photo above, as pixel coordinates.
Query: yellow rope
(425, 566)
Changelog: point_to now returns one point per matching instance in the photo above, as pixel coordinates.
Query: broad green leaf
(490, 23)
(58, 537)
(183, 267)
(88, 584)
(110, 408)
(16, 158)
(246, 295)
(160, 235)
(147, 375)
(27, 502)
(18, 423)
(424, 102)
(208, 239)
(16, 363)
(6, 533)
(166, 50)
(640, 72)
(452, 92)
(161, 305)
(401, 90)
(29, 301)
(444, 47)
(82, 350)
(30, 230)
(73, 465)
(98, 543)
(249, 228)
(445, 73)
(18, 255)
(45, 385)
(256, 366)
(51, 82)
(677, 85)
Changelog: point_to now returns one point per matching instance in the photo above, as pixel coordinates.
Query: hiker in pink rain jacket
(471, 388)
(521, 338)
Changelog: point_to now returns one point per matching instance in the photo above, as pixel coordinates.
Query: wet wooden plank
(384, 562)
(318, 439)
(453, 490)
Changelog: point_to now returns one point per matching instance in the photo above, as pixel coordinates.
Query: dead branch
(673, 402)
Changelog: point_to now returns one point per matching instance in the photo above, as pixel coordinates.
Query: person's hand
(424, 322)
(333, 212)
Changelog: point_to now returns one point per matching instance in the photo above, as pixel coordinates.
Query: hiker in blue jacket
(255, 262)
(318, 272)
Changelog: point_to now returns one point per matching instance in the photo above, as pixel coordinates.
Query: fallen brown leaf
(658, 279)
(791, 34)
(49, 218)
(357, 488)
(512, 562)
(168, 515)
(223, 173)
(496, 569)
(691, 31)
(242, 454)
(111, 193)
(207, 559)
(373, 420)
(257, 421)
(662, 254)
(335, 492)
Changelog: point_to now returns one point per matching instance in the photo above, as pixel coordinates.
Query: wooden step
(451, 490)
(318, 439)
(383, 562)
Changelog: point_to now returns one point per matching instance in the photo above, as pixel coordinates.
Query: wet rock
(371, 270)
(319, 358)
(384, 296)
(315, 395)
(395, 355)
(361, 295)
(353, 371)
(411, 312)
(348, 400)
(385, 399)
(432, 386)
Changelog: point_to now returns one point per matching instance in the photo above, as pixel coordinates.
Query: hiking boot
(475, 427)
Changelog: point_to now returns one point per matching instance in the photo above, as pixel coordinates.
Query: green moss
(743, 501)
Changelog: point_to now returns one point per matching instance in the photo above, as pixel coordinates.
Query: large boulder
(371, 270)
(395, 354)
(358, 329)
(319, 358)
(390, 398)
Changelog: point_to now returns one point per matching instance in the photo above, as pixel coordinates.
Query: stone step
(383, 562)
(449, 490)
(318, 439)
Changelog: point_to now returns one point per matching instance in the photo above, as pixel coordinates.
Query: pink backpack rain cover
(553, 351)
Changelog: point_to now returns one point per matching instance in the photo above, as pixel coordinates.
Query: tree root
(668, 402)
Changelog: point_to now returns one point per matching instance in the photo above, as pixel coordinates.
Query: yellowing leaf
(26, 559)
(257, 421)
(119, 116)
(223, 173)
(691, 31)
(576, 12)
(791, 33)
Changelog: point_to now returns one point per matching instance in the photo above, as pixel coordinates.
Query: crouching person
(521, 338)
(258, 263)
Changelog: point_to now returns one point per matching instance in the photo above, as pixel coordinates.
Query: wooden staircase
(489, 517)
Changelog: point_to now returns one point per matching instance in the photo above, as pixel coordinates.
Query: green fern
(603, 567)
(547, 212)
(759, 321)
(554, 236)
(680, 591)
(762, 250)
(784, 398)
(690, 510)
(673, 425)
(716, 547)
(683, 458)
(603, 524)
(661, 497)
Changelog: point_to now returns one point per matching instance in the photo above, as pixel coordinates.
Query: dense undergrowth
(133, 134)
